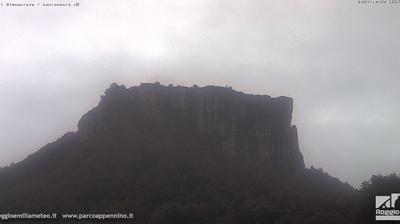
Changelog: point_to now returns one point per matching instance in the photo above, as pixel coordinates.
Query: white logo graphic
(387, 207)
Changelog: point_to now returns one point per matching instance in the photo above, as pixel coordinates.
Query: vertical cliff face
(253, 127)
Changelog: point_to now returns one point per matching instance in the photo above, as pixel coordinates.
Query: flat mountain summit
(174, 154)
(244, 126)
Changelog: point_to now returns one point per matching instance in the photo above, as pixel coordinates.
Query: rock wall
(257, 127)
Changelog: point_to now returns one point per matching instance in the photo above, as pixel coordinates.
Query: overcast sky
(339, 60)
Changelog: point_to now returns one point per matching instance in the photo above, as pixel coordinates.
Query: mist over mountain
(184, 155)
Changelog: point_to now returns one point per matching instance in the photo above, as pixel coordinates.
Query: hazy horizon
(337, 59)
